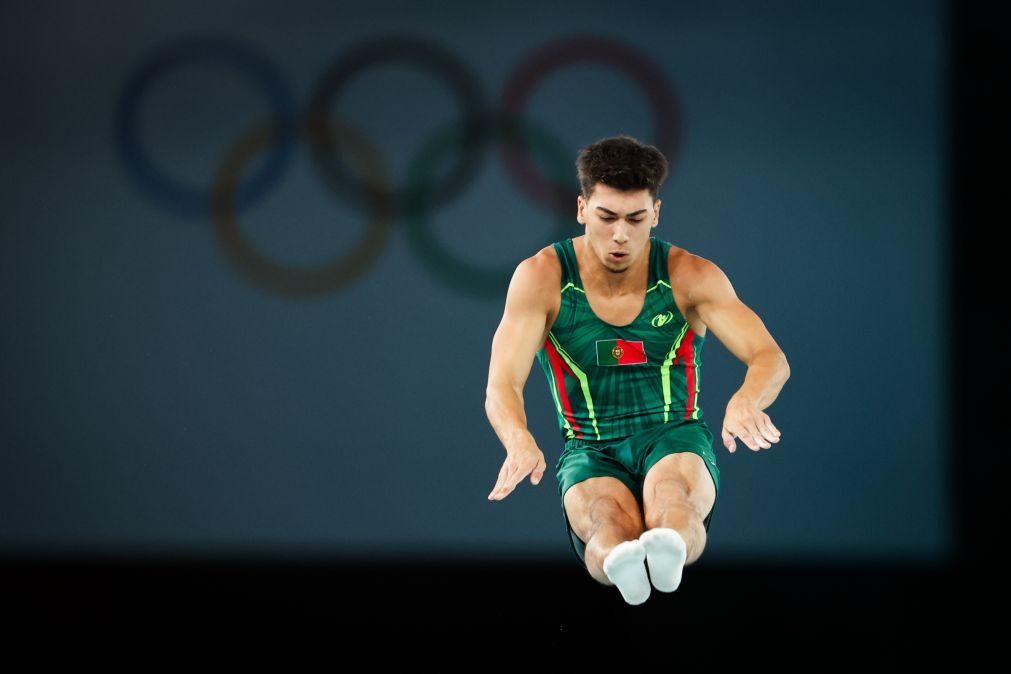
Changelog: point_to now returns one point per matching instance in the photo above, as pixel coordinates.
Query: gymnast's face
(618, 222)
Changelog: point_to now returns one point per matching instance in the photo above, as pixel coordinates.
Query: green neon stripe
(583, 383)
(558, 404)
(658, 284)
(572, 285)
(665, 370)
(698, 369)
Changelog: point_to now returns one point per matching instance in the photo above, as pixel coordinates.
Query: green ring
(447, 267)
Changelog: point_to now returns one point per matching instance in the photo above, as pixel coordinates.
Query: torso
(623, 310)
(623, 365)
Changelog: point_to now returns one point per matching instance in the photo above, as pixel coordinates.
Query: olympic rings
(296, 281)
(441, 263)
(173, 195)
(420, 194)
(463, 84)
(646, 73)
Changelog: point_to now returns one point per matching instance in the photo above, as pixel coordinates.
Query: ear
(580, 205)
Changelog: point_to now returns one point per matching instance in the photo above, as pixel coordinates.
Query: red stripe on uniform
(687, 354)
(559, 366)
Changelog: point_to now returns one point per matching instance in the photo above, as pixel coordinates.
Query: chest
(624, 310)
(620, 310)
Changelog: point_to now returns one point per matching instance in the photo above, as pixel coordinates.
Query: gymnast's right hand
(524, 460)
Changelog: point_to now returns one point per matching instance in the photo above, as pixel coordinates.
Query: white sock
(665, 557)
(625, 568)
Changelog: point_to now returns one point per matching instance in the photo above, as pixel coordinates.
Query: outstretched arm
(520, 334)
(741, 330)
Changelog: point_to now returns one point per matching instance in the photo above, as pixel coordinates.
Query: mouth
(617, 256)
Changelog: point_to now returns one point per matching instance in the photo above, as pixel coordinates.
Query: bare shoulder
(537, 279)
(542, 270)
(693, 274)
(685, 267)
(547, 263)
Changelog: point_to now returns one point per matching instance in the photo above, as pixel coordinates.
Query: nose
(620, 233)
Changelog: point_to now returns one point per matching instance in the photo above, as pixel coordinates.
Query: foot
(625, 568)
(665, 557)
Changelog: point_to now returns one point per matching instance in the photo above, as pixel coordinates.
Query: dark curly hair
(621, 162)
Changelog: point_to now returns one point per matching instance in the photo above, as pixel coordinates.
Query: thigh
(681, 476)
(681, 464)
(600, 497)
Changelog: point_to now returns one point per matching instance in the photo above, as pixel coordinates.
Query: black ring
(474, 279)
(463, 84)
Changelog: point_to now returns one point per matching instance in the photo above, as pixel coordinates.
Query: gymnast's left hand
(746, 421)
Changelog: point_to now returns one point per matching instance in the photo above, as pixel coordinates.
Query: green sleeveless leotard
(610, 382)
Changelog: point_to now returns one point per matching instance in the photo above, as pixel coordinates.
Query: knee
(672, 497)
(672, 488)
(608, 512)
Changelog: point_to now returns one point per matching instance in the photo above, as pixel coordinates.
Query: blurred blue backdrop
(170, 385)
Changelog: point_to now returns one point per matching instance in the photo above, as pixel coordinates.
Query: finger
(502, 473)
(510, 481)
(748, 439)
(538, 473)
(741, 433)
(759, 439)
(510, 484)
(517, 477)
(764, 432)
(771, 429)
(728, 441)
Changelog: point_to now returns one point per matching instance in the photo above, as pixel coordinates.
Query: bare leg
(610, 525)
(604, 513)
(676, 492)
(677, 513)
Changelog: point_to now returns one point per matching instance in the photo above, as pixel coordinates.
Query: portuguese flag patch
(620, 352)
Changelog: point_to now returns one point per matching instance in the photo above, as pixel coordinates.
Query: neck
(628, 281)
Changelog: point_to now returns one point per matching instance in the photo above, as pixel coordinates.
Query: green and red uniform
(625, 396)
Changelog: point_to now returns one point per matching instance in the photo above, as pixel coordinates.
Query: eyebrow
(607, 210)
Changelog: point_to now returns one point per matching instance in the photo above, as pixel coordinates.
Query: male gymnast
(617, 318)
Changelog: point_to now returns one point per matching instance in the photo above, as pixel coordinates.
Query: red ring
(645, 72)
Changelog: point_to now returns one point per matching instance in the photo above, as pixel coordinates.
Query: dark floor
(862, 619)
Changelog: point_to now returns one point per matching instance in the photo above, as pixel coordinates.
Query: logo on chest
(620, 352)
(662, 319)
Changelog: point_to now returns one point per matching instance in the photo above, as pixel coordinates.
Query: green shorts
(629, 459)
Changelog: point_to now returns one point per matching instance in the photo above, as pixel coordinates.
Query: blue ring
(177, 197)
